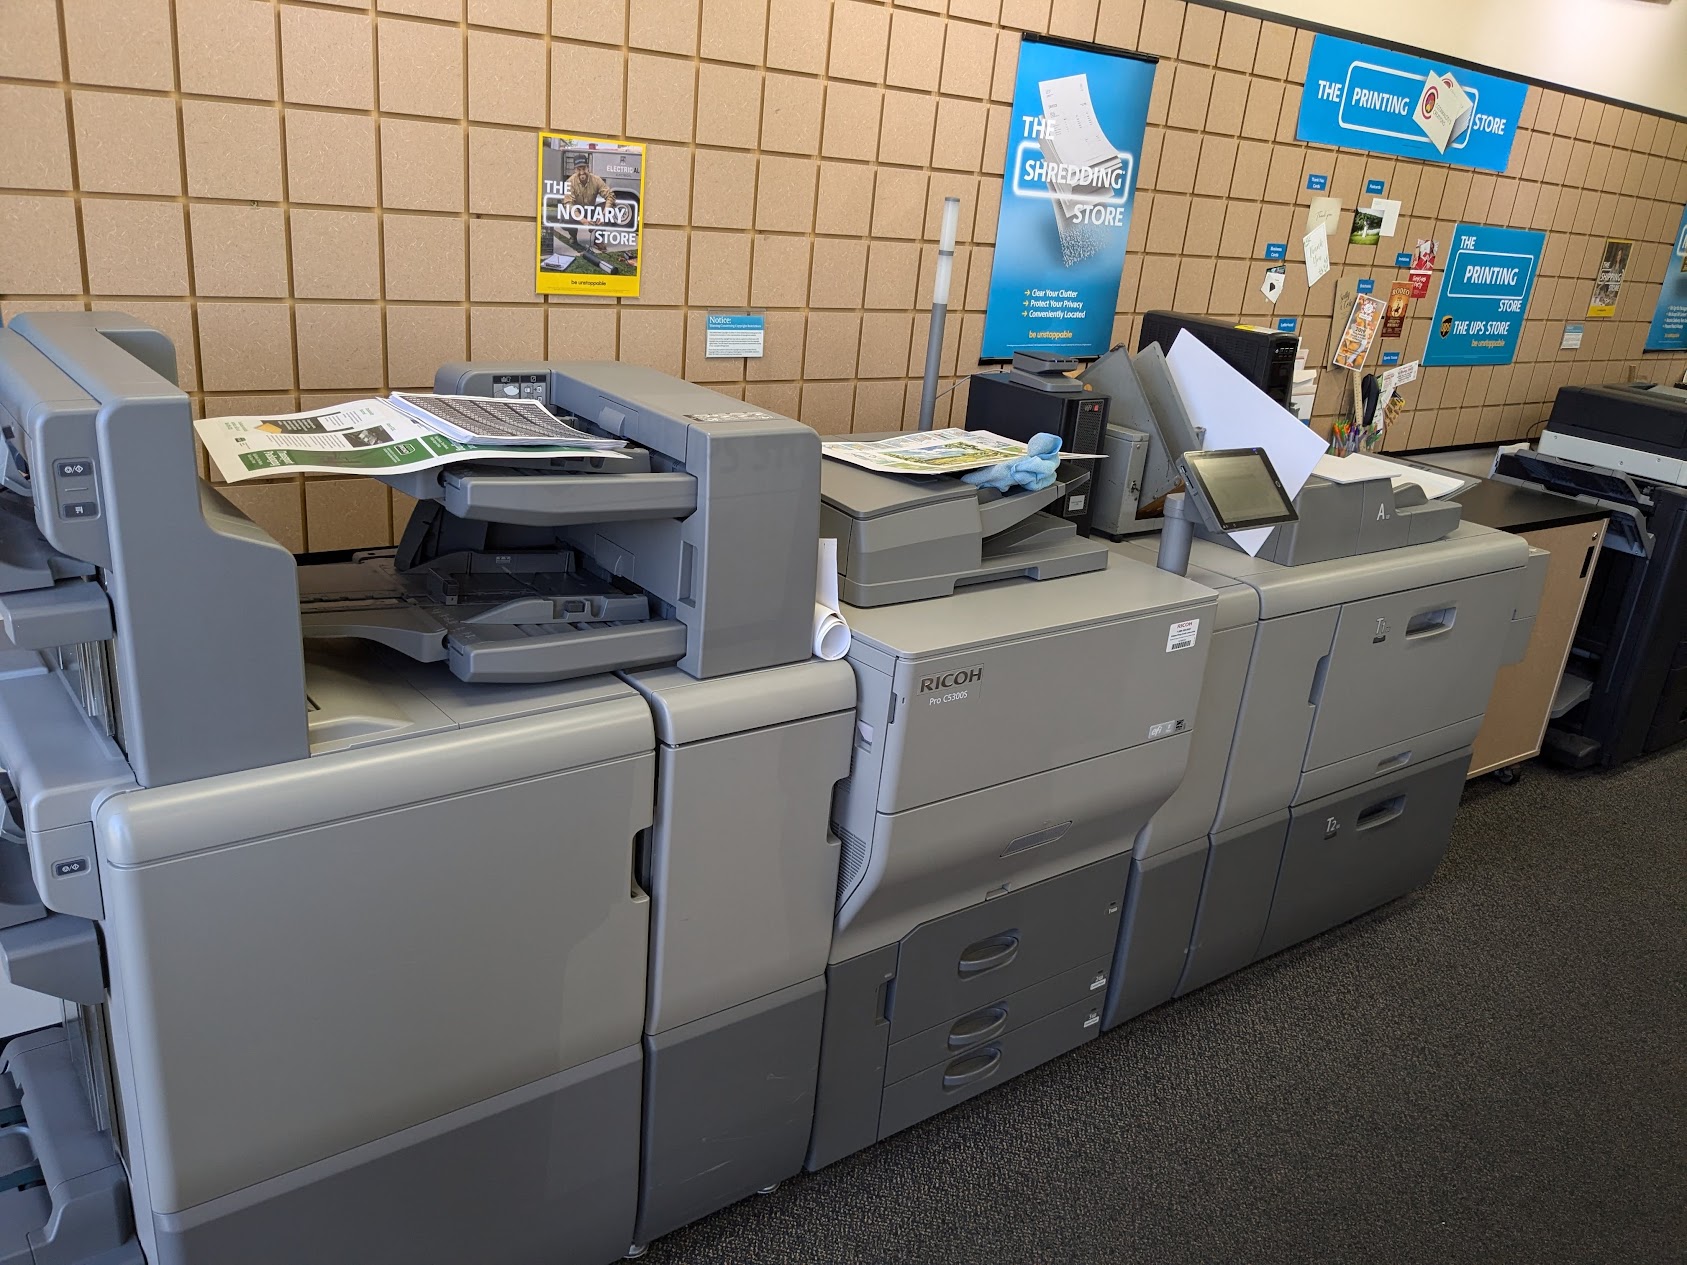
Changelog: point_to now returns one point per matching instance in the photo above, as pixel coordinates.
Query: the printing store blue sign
(1484, 294)
(1078, 116)
(1364, 98)
(1669, 322)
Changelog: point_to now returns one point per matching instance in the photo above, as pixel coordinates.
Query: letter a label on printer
(1181, 635)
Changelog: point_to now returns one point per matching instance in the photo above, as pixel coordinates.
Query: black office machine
(1624, 448)
(1035, 397)
(1264, 357)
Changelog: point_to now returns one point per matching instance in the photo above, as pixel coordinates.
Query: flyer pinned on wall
(1363, 323)
(1609, 281)
(1399, 299)
(590, 227)
(1079, 113)
(1669, 320)
(1316, 247)
(1484, 295)
(1423, 265)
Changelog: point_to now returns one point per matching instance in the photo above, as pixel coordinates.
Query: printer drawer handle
(1431, 623)
(1383, 813)
(980, 1025)
(971, 1068)
(988, 955)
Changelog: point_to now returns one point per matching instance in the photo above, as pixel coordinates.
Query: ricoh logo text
(950, 680)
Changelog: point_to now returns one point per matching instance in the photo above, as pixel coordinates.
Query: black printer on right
(1622, 447)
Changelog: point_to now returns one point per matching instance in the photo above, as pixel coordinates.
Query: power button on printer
(65, 869)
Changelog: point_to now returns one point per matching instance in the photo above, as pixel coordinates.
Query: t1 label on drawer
(1181, 635)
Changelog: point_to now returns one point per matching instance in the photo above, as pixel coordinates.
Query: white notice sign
(728, 334)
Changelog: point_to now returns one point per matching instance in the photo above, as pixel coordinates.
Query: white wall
(1628, 50)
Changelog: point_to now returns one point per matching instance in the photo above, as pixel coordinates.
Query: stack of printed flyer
(400, 433)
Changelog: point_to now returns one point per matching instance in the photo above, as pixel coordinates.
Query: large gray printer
(396, 942)
(1026, 703)
(1348, 673)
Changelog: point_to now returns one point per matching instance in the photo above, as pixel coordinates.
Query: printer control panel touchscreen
(1238, 486)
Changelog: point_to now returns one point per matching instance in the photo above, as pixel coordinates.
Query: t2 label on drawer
(1181, 635)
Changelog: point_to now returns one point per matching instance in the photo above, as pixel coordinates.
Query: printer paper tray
(555, 500)
(508, 625)
(514, 653)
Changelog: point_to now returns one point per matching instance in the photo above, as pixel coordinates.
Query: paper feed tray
(491, 620)
(556, 493)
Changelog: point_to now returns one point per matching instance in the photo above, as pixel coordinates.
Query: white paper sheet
(1272, 286)
(1389, 209)
(1399, 375)
(1358, 466)
(1316, 246)
(1325, 211)
(1237, 414)
(831, 632)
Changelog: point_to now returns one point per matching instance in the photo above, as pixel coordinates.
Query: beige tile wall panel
(29, 40)
(331, 157)
(239, 251)
(317, 198)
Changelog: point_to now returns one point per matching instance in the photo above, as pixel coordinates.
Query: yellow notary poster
(591, 195)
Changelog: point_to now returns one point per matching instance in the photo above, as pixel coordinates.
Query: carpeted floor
(1492, 1070)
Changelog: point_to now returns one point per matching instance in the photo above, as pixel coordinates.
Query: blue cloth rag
(1033, 472)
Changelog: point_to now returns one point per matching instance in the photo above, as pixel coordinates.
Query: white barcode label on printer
(1181, 635)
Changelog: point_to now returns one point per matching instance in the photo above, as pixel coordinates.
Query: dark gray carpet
(1494, 1069)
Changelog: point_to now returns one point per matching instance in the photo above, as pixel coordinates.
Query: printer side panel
(398, 933)
(1410, 663)
(206, 654)
(1290, 656)
(748, 555)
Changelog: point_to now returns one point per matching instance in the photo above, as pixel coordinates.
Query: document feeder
(905, 538)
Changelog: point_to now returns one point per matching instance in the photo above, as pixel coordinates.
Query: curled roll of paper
(831, 631)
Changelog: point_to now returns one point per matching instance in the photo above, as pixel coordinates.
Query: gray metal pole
(1177, 533)
(939, 310)
(934, 361)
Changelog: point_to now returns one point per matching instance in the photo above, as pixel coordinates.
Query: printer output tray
(505, 625)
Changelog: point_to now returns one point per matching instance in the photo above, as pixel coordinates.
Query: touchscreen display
(1241, 488)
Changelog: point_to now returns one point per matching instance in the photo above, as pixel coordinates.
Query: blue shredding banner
(1484, 295)
(1669, 321)
(1066, 199)
(1363, 98)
